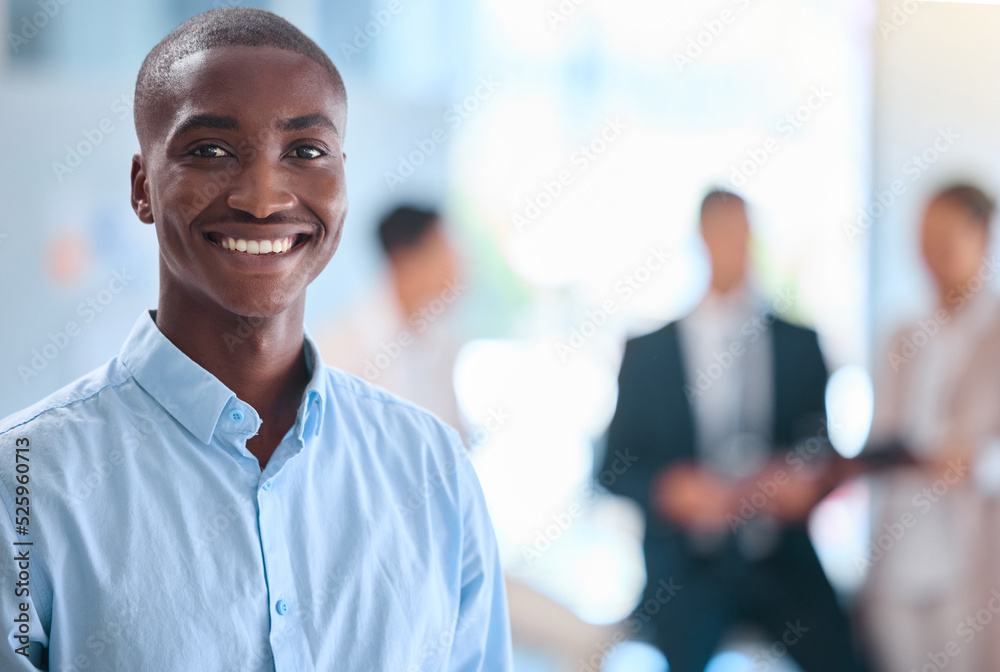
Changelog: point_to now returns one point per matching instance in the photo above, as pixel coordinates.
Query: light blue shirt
(156, 542)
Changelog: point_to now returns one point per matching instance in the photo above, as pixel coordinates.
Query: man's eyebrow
(207, 121)
(307, 121)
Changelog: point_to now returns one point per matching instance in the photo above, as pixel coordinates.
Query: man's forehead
(224, 64)
(255, 84)
(725, 209)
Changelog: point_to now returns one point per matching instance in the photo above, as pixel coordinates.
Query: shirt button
(236, 416)
(266, 486)
(281, 607)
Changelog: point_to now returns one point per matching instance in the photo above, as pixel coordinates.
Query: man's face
(247, 154)
(726, 232)
(427, 267)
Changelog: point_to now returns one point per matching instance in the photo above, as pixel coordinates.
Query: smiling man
(215, 498)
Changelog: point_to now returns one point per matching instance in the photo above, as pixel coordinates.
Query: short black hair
(972, 198)
(719, 197)
(406, 227)
(222, 27)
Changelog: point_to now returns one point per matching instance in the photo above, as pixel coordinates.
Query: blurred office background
(566, 141)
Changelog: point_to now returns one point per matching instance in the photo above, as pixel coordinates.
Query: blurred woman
(929, 564)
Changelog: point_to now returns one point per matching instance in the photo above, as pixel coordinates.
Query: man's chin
(259, 308)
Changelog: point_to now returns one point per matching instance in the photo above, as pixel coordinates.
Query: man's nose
(261, 189)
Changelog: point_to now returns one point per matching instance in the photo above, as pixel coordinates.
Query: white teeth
(257, 246)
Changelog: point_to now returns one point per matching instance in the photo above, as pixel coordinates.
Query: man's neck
(262, 360)
(726, 287)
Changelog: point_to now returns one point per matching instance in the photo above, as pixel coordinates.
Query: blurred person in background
(401, 335)
(715, 413)
(931, 565)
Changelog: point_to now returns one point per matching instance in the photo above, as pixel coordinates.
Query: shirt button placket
(278, 569)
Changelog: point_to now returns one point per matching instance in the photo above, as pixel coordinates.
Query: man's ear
(140, 192)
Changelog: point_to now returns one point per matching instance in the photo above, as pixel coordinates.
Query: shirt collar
(314, 398)
(723, 314)
(192, 395)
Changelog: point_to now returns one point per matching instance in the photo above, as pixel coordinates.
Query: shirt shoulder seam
(69, 403)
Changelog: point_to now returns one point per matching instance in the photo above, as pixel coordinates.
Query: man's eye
(210, 152)
(307, 152)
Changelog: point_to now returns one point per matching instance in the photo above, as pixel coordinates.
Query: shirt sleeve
(24, 641)
(482, 632)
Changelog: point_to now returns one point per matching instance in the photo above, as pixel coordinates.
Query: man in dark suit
(721, 418)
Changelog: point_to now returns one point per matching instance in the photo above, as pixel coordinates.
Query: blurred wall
(935, 82)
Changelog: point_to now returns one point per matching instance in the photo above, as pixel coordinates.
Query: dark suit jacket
(654, 426)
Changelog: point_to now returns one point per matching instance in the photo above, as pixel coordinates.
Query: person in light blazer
(931, 563)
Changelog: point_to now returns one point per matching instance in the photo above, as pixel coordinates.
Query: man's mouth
(261, 246)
